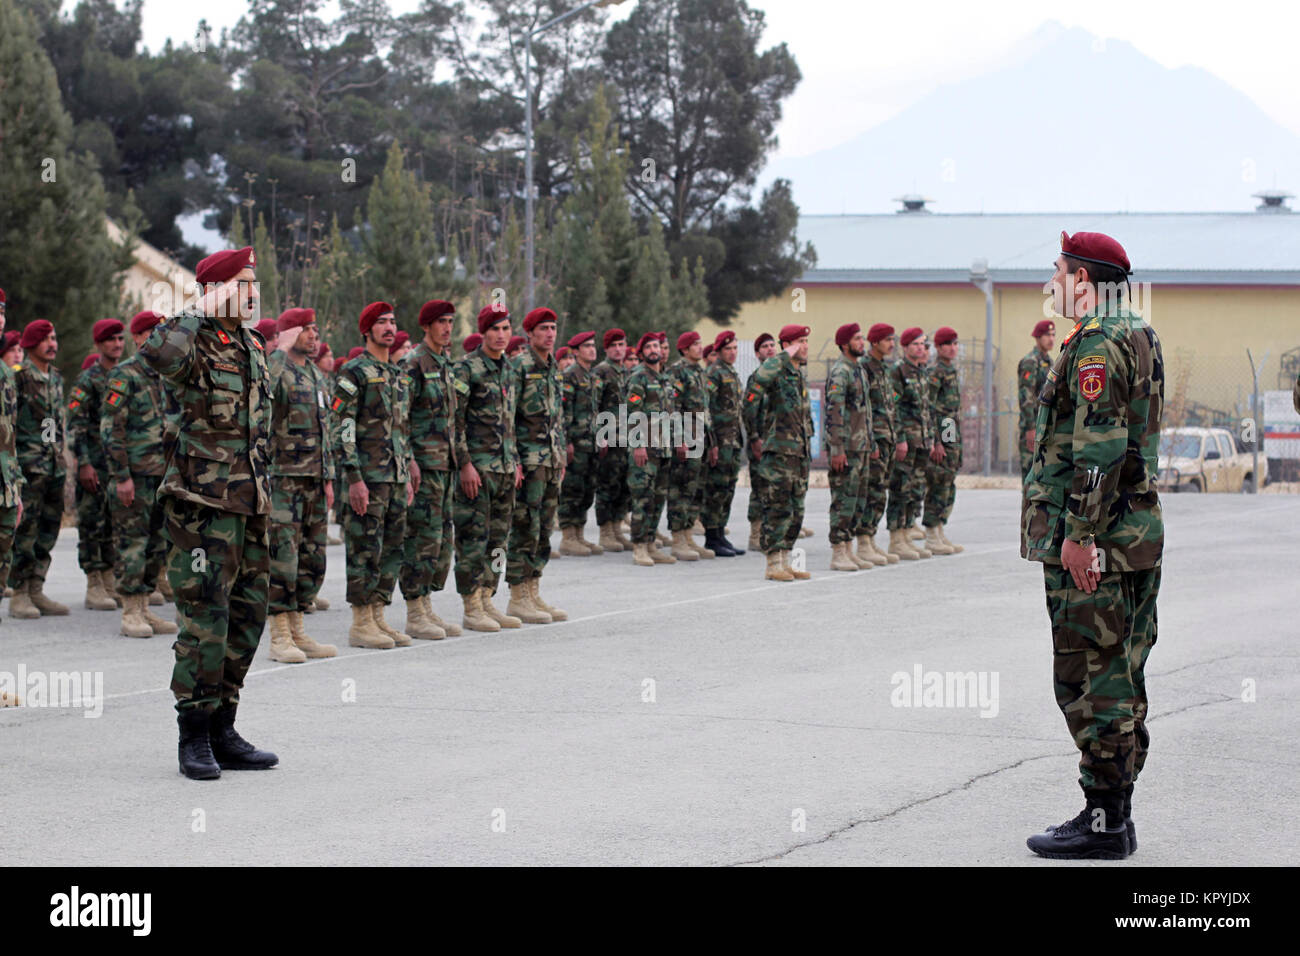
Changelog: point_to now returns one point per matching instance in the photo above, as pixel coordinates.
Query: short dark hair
(1098, 273)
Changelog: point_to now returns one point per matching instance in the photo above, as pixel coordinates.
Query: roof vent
(913, 203)
(1273, 200)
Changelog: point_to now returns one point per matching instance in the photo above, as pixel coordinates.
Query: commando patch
(1092, 376)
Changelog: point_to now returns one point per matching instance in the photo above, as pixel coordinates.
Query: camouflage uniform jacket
(84, 404)
(222, 386)
(300, 420)
(11, 475)
(911, 404)
(777, 410)
(880, 393)
(1031, 373)
(613, 386)
(1096, 444)
(433, 407)
(945, 403)
(485, 413)
(539, 411)
(846, 415)
(131, 421)
(648, 393)
(687, 380)
(372, 421)
(582, 394)
(724, 404)
(40, 400)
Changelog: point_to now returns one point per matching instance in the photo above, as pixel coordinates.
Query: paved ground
(771, 705)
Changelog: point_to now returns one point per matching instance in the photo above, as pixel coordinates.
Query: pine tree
(268, 273)
(399, 241)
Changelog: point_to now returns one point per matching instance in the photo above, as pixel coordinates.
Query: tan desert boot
(535, 586)
(794, 572)
(364, 633)
(418, 624)
(21, 606)
(755, 535)
(867, 552)
(662, 538)
(476, 619)
(521, 605)
(97, 599)
(133, 622)
(9, 700)
(165, 587)
(915, 532)
(320, 603)
(621, 531)
(641, 555)
(842, 558)
(682, 549)
(156, 599)
(591, 546)
(609, 539)
(160, 625)
(304, 642)
(919, 546)
(48, 608)
(658, 556)
(698, 527)
(448, 628)
(399, 638)
(109, 581)
(571, 546)
(490, 609)
(943, 533)
(806, 532)
(891, 558)
(703, 552)
(776, 569)
(283, 650)
(935, 544)
(901, 547)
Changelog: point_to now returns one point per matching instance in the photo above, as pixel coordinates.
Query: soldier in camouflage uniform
(217, 501)
(95, 550)
(1031, 374)
(426, 558)
(611, 473)
(780, 438)
(11, 475)
(540, 440)
(582, 394)
(846, 425)
(302, 486)
(372, 412)
(765, 347)
(913, 422)
(880, 394)
(686, 474)
(130, 431)
(650, 402)
(486, 390)
(40, 436)
(945, 454)
(724, 466)
(1091, 515)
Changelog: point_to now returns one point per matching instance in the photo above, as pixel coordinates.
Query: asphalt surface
(689, 714)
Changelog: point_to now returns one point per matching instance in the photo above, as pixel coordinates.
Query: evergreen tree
(268, 274)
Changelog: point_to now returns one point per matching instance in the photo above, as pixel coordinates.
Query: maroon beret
(225, 265)
(11, 339)
(1043, 327)
(516, 342)
(2, 295)
(723, 340)
(490, 315)
(612, 336)
(791, 332)
(106, 329)
(400, 339)
(536, 317)
(945, 335)
(1095, 247)
(355, 351)
(435, 309)
(563, 351)
(35, 333)
(142, 322)
(292, 319)
(645, 339)
(580, 338)
(686, 340)
(322, 350)
(267, 328)
(707, 351)
(844, 334)
(758, 342)
(89, 360)
(911, 335)
(879, 331)
(370, 315)
(662, 337)
(472, 341)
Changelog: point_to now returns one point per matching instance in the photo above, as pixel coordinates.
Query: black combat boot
(730, 547)
(1097, 833)
(232, 751)
(715, 542)
(1128, 819)
(195, 750)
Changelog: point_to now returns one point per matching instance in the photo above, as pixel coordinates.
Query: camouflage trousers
(141, 544)
(95, 546)
(373, 543)
(785, 484)
(941, 486)
(426, 555)
(848, 493)
(1100, 644)
(8, 525)
(685, 482)
(720, 488)
(906, 487)
(612, 494)
(871, 507)
(298, 536)
(755, 510)
(648, 486)
(483, 531)
(218, 566)
(35, 537)
(1026, 457)
(579, 488)
(531, 522)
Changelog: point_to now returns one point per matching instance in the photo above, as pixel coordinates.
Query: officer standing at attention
(686, 474)
(1030, 376)
(846, 423)
(611, 473)
(945, 454)
(764, 348)
(11, 476)
(912, 416)
(880, 393)
(581, 390)
(1091, 515)
(724, 419)
(649, 393)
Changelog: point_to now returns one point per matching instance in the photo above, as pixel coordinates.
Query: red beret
(2, 295)
(758, 342)
(322, 351)
(35, 333)
(435, 309)
(645, 339)
(400, 339)
(723, 340)
(371, 313)
(1095, 247)
(791, 332)
(355, 351)
(536, 317)
(881, 330)
(1043, 327)
(225, 265)
(267, 328)
(292, 319)
(89, 360)
(612, 336)
(472, 341)
(516, 342)
(911, 335)
(580, 338)
(563, 350)
(11, 339)
(662, 337)
(686, 340)
(142, 322)
(490, 315)
(708, 350)
(106, 329)
(945, 335)
(844, 334)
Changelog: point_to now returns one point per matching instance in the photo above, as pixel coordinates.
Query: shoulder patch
(1092, 376)
(462, 387)
(347, 385)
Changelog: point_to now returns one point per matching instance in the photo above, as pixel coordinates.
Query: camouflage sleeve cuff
(351, 476)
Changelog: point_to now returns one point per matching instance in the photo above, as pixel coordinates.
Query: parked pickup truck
(1206, 459)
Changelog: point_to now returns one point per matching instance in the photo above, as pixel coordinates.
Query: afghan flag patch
(1092, 376)
(336, 404)
(114, 399)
